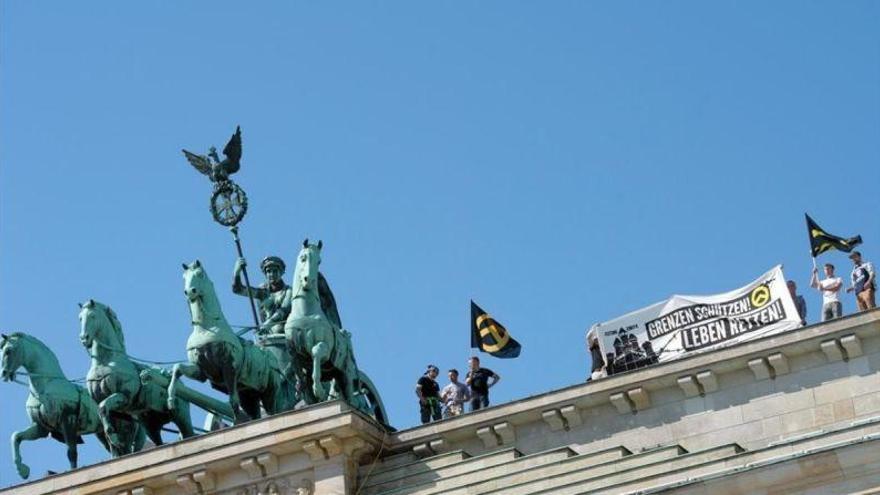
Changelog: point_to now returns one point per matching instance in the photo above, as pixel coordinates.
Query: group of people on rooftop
(436, 404)
(864, 287)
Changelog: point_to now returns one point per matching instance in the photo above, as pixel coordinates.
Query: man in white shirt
(864, 282)
(454, 395)
(830, 289)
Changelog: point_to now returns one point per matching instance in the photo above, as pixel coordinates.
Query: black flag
(821, 241)
(490, 336)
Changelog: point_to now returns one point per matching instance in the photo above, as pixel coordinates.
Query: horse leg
(287, 392)
(182, 419)
(33, 432)
(349, 369)
(230, 380)
(302, 381)
(102, 437)
(127, 431)
(320, 353)
(154, 432)
(68, 431)
(106, 408)
(275, 398)
(250, 403)
(185, 369)
(140, 437)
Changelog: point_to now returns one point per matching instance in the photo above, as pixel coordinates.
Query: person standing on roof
(864, 282)
(830, 289)
(429, 395)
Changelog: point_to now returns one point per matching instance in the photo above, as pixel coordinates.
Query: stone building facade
(797, 412)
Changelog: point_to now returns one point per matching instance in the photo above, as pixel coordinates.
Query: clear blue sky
(561, 163)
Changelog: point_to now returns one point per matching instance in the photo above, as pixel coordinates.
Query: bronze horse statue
(56, 406)
(249, 374)
(121, 386)
(321, 351)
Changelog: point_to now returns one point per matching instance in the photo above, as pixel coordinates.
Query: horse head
(99, 323)
(305, 277)
(195, 281)
(12, 356)
(88, 323)
(200, 294)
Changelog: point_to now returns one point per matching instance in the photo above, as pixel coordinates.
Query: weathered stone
(832, 350)
(779, 363)
(852, 344)
(488, 436)
(760, 368)
(708, 380)
(621, 402)
(553, 418)
(688, 385)
(640, 398)
(571, 415)
(251, 467)
(506, 432)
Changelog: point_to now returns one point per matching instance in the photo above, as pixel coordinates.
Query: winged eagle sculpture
(229, 202)
(212, 166)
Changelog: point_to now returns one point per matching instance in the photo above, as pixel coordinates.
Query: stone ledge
(186, 463)
(843, 458)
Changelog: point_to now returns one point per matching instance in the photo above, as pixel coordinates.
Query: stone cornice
(250, 447)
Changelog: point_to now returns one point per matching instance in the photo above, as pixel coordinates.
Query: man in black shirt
(429, 395)
(478, 379)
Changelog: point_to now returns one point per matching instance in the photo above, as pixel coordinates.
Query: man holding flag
(830, 289)
(820, 242)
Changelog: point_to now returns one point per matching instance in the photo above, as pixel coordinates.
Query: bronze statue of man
(273, 295)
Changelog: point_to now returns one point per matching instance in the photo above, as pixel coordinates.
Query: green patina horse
(56, 406)
(122, 387)
(321, 351)
(250, 375)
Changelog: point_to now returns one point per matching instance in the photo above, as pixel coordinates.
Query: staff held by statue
(228, 201)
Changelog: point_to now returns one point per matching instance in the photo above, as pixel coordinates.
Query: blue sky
(560, 163)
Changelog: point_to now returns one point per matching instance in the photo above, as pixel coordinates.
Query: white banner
(682, 325)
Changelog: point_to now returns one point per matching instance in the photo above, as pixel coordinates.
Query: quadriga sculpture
(250, 375)
(120, 386)
(320, 350)
(56, 406)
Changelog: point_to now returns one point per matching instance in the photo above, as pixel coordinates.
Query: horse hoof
(320, 394)
(24, 471)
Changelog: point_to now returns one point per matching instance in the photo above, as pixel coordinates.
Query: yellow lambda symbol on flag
(824, 244)
(821, 241)
(760, 296)
(490, 336)
(488, 326)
